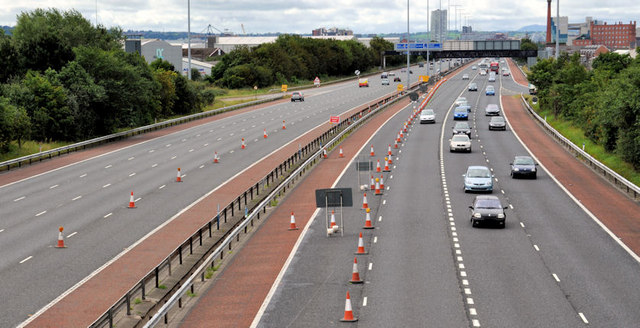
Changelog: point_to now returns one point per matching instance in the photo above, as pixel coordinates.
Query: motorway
(552, 266)
(89, 198)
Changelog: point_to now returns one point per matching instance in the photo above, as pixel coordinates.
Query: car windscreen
(488, 203)
(462, 125)
(523, 161)
(460, 110)
(427, 112)
(460, 138)
(478, 173)
(497, 119)
(490, 88)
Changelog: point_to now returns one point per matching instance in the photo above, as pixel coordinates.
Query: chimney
(548, 21)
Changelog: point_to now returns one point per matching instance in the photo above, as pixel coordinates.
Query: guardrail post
(180, 254)
(110, 312)
(190, 245)
(128, 298)
(200, 236)
(143, 288)
(157, 278)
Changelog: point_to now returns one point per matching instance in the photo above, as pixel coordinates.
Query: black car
(462, 127)
(523, 166)
(397, 79)
(487, 209)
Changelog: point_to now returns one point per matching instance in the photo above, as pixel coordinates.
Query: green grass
(162, 287)
(137, 301)
(576, 135)
(29, 148)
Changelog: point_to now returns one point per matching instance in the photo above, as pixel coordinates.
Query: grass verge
(29, 148)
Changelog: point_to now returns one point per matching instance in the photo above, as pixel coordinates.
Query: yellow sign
(423, 78)
(400, 87)
(284, 88)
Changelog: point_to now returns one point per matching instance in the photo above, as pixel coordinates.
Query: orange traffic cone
(265, 133)
(355, 275)
(364, 201)
(378, 191)
(386, 165)
(348, 311)
(372, 152)
(179, 177)
(283, 126)
(378, 167)
(361, 250)
(398, 139)
(216, 159)
(367, 220)
(132, 204)
(333, 219)
(292, 225)
(60, 239)
(341, 155)
(401, 134)
(382, 181)
(389, 151)
(243, 146)
(395, 144)
(389, 161)
(373, 183)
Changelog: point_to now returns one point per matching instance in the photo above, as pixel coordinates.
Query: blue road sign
(418, 46)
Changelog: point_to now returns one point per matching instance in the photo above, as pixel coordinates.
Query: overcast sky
(301, 16)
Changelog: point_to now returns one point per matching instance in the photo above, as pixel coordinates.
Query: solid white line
(84, 175)
(54, 186)
(107, 185)
(584, 319)
(364, 301)
(78, 197)
(555, 276)
(108, 215)
(41, 213)
(71, 235)
(19, 199)
(27, 259)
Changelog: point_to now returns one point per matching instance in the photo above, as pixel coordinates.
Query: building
(563, 26)
(589, 53)
(467, 30)
(334, 31)
(615, 36)
(438, 25)
(152, 49)
(203, 67)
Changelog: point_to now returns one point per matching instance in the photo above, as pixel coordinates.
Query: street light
(557, 28)
(408, 52)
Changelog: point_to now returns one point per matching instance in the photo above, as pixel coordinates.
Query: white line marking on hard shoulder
(107, 185)
(71, 235)
(536, 247)
(162, 186)
(154, 165)
(19, 198)
(555, 276)
(108, 215)
(78, 197)
(54, 186)
(364, 301)
(84, 175)
(41, 213)
(27, 259)
(375, 239)
(584, 319)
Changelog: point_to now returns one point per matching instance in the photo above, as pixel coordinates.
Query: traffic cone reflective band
(243, 146)
(361, 250)
(398, 139)
(395, 144)
(341, 155)
(333, 219)
(132, 204)
(388, 159)
(401, 135)
(386, 165)
(372, 152)
(378, 167)
(324, 152)
(179, 177)
(364, 201)
(216, 159)
(381, 181)
(373, 183)
(367, 220)
(348, 311)
(389, 151)
(355, 275)
(265, 133)
(378, 191)
(60, 239)
(283, 126)
(292, 225)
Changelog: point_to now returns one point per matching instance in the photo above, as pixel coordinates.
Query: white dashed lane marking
(132, 174)
(84, 175)
(108, 215)
(154, 165)
(71, 235)
(555, 276)
(76, 198)
(43, 212)
(27, 259)
(130, 158)
(54, 186)
(19, 199)
(162, 186)
(108, 166)
(107, 185)
(584, 319)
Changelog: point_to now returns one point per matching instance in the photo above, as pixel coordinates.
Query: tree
(162, 64)
(21, 125)
(612, 62)
(195, 74)
(168, 96)
(9, 58)
(527, 44)
(50, 115)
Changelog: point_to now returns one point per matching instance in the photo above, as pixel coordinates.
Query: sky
(302, 16)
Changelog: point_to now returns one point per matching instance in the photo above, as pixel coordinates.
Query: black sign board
(413, 96)
(364, 166)
(334, 197)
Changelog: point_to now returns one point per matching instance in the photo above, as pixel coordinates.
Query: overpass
(464, 49)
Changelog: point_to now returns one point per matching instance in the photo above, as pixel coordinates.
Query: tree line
(604, 101)
(63, 79)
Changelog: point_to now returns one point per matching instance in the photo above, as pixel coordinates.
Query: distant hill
(533, 28)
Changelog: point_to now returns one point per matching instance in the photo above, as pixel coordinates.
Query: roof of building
(198, 62)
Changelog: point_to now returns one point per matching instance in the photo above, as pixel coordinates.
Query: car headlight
(455, 131)
(477, 215)
(516, 169)
(500, 216)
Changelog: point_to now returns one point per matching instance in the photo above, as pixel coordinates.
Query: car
(474, 67)
(523, 166)
(501, 61)
(473, 86)
(492, 77)
(363, 83)
(460, 101)
(490, 91)
(460, 113)
(505, 73)
(392, 73)
(385, 81)
(462, 128)
(491, 109)
(532, 89)
(483, 72)
(397, 79)
(487, 208)
(460, 142)
(420, 64)
(465, 76)
(427, 116)
(497, 123)
(384, 75)
(465, 106)
(297, 96)
(478, 178)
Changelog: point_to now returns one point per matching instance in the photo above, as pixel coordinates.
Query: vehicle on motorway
(523, 166)
(478, 178)
(465, 76)
(483, 72)
(465, 106)
(460, 142)
(462, 128)
(483, 65)
(532, 89)
(384, 75)
(397, 79)
(297, 96)
(473, 86)
(392, 73)
(487, 208)
(420, 64)
(490, 91)
(492, 77)
(460, 113)
(460, 101)
(497, 123)
(491, 109)
(363, 83)
(474, 67)
(505, 73)
(494, 67)
(385, 81)
(427, 116)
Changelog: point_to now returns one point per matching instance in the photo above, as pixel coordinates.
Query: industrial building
(439, 25)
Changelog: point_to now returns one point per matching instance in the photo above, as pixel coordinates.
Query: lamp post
(557, 28)
(428, 39)
(189, 38)
(408, 52)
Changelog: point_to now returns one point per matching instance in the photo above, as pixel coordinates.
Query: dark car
(497, 123)
(396, 79)
(524, 166)
(487, 209)
(462, 127)
(297, 96)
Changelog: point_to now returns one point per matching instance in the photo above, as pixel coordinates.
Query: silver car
(465, 76)
(427, 116)
(297, 96)
(473, 86)
(478, 178)
(460, 142)
(497, 123)
(492, 109)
